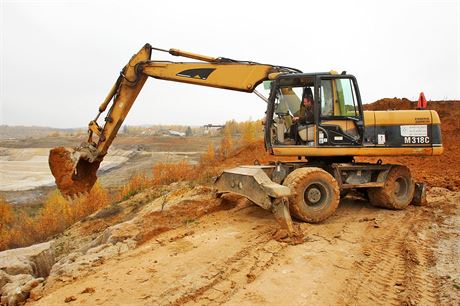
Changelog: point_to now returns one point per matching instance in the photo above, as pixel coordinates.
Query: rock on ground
(23, 269)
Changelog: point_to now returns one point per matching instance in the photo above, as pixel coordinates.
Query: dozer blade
(253, 183)
(74, 175)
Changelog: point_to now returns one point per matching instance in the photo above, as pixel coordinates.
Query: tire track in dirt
(421, 280)
(396, 267)
(226, 278)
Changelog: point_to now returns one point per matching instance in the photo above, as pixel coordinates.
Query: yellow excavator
(338, 130)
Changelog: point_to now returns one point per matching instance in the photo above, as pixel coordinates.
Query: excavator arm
(75, 169)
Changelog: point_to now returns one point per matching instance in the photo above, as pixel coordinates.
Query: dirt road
(362, 255)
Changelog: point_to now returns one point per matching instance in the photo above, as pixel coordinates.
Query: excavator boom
(75, 169)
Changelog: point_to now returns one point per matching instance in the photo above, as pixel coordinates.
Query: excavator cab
(338, 115)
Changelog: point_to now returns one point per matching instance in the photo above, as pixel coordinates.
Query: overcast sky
(60, 58)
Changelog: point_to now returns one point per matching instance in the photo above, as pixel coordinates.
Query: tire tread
(384, 196)
(295, 178)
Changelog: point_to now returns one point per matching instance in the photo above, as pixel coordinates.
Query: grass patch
(136, 184)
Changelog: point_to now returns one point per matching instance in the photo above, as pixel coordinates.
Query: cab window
(338, 98)
(288, 100)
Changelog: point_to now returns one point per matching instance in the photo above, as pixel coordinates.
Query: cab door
(340, 118)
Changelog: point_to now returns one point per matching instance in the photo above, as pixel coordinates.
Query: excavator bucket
(74, 174)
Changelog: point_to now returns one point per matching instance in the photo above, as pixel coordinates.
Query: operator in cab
(304, 115)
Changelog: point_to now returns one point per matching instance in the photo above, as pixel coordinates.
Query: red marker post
(421, 101)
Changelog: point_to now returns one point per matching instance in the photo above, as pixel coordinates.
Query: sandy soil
(362, 255)
(25, 177)
(226, 252)
(23, 169)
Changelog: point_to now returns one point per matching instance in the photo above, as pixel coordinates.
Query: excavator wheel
(398, 191)
(315, 194)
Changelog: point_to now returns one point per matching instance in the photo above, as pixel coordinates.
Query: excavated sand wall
(23, 269)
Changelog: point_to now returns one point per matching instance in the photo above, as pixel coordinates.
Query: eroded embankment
(213, 253)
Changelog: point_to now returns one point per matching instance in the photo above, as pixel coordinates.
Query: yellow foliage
(14, 229)
(97, 198)
(209, 157)
(226, 144)
(231, 127)
(59, 213)
(6, 213)
(24, 231)
(249, 132)
(6, 220)
(136, 184)
(167, 173)
(55, 216)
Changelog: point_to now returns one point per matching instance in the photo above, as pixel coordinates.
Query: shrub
(167, 173)
(6, 213)
(54, 217)
(136, 184)
(209, 157)
(249, 132)
(226, 144)
(57, 213)
(7, 218)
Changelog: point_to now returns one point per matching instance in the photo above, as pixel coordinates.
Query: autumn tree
(6, 221)
(209, 157)
(248, 131)
(226, 144)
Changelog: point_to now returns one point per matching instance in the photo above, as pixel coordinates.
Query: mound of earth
(441, 171)
(104, 235)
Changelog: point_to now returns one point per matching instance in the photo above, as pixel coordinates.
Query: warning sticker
(414, 130)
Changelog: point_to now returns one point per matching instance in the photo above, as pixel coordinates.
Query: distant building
(164, 132)
(176, 133)
(212, 129)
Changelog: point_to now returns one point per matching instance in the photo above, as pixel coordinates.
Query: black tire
(315, 194)
(398, 191)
